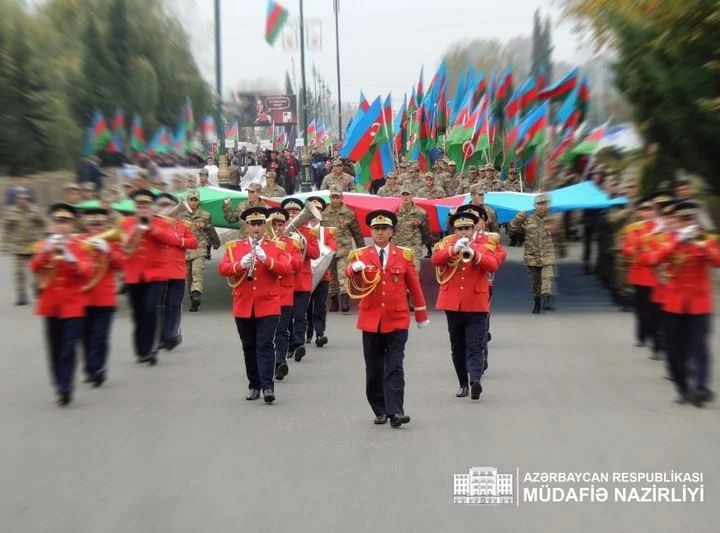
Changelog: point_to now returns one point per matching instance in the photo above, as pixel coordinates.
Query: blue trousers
(96, 338)
(384, 374)
(317, 310)
(468, 342)
(257, 336)
(282, 334)
(687, 342)
(172, 309)
(299, 318)
(62, 336)
(144, 298)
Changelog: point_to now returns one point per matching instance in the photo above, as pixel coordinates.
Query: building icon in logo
(482, 485)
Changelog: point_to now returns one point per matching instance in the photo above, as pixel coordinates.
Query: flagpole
(385, 127)
(218, 81)
(306, 184)
(336, 8)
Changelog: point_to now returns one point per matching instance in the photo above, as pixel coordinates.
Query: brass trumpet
(251, 267)
(466, 254)
(110, 235)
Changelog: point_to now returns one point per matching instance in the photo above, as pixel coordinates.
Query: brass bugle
(112, 234)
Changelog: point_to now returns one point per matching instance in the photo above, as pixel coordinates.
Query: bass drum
(321, 264)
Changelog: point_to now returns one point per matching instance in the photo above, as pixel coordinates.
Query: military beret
(381, 217)
(291, 203)
(62, 211)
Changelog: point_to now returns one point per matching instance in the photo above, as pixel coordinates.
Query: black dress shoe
(254, 394)
(269, 396)
(655, 356)
(299, 353)
(489, 336)
(64, 398)
(462, 392)
(398, 420)
(308, 339)
(281, 371)
(321, 341)
(99, 380)
(475, 390)
(22, 300)
(173, 343)
(485, 364)
(380, 419)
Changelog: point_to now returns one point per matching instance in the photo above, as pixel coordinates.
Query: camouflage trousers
(195, 274)
(338, 279)
(20, 270)
(541, 279)
(620, 275)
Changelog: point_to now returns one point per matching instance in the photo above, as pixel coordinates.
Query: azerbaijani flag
(311, 129)
(360, 135)
(561, 88)
(137, 135)
(98, 134)
(590, 144)
(277, 16)
(234, 132)
(208, 126)
(188, 117)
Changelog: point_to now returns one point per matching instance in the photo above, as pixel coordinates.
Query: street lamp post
(336, 6)
(306, 185)
(219, 126)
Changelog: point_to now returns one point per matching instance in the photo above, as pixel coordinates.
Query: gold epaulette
(494, 238)
(187, 223)
(354, 254)
(633, 226)
(230, 244)
(298, 243)
(332, 230)
(490, 246)
(437, 246)
(447, 240)
(315, 232)
(36, 247)
(408, 254)
(280, 244)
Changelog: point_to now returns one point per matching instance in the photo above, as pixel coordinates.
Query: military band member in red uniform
(63, 268)
(462, 264)
(642, 277)
(101, 291)
(691, 253)
(253, 266)
(380, 276)
(171, 298)
(278, 217)
(146, 262)
(317, 310)
(306, 240)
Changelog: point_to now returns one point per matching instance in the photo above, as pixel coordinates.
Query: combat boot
(22, 299)
(345, 302)
(195, 301)
(547, 302)
(334, 307)
(536, 308)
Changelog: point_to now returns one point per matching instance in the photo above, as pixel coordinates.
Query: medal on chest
(341, 220)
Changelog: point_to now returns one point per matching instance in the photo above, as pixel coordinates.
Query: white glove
(49, 245)
(100, 244)
(685, 233)
(245, 261)
(461, 243)
(70, 257)
(424, 324)
(357, 266)
(260, 253)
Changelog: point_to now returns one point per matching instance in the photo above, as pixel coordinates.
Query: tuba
(308, 213)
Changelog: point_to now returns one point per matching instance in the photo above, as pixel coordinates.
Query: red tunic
(61, 282)
(102, 287)
(689, 289)
(176, 267)
(287, 283)
(467, 288)
(303, 276)
(386, 305)
(148, 260)
(260, 296)
(635, 243)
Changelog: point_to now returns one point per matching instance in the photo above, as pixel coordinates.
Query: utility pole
(306, 185)
(219, 125)
(336, 7)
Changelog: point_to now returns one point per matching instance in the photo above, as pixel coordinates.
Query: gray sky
(383, 43)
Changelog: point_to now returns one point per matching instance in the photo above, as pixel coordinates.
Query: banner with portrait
(253, 109)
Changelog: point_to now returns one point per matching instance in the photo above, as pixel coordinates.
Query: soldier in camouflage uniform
(205, 233)
(338, 178)
(511, 184)
(477, 197)
(451, 180)
(23, 225)
(412, 229)
(232, 216)
(489, 181)
(412, 179)
(468, 181)
(347, 230)
(430, 190)
(540, 229)
(391, 187)
(272, 189)
(618, 219)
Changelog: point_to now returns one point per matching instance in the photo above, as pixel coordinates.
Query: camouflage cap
(489, 166)
(270, 174)
(89, 186)
(72, 186)
(472, 168)
(337, 163)
(193, 193)
(335, 190)
(405, 188)
(392, 175)
(429, 175)
(477, 189)
(254, 187)
(542, 198)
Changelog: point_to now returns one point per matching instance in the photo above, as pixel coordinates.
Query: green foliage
(64, 58)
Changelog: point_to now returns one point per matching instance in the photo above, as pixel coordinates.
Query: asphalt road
(175, 448)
